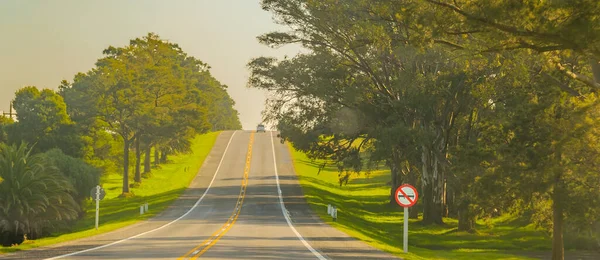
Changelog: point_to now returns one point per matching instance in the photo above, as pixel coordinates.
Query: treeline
(488, 108)
(147, 99)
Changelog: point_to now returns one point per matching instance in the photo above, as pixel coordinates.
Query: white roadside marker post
(334, 213)
(97, 193)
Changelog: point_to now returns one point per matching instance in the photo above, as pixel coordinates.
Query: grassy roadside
(363, 212)
(159, 192)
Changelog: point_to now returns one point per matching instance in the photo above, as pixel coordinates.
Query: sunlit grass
(364, 213)
(159, 191)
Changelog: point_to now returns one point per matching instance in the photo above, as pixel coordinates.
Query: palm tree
(34, 196)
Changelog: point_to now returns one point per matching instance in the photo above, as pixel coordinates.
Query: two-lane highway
(238, 216)
(234, 209)
(262, 231)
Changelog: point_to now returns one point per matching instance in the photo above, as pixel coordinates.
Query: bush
(82, 176)
(4, 122)
(35, 198)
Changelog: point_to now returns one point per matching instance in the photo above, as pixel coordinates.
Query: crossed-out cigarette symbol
(406, 195)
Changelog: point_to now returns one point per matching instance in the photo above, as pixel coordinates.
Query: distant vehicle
(260, 128)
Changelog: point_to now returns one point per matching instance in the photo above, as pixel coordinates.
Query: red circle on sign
(399, 191)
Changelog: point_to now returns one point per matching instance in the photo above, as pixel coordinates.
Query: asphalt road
(232, 210)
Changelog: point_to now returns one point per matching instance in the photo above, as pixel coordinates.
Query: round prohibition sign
(406, 195)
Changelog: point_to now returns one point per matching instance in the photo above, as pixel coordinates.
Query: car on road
(260, 128)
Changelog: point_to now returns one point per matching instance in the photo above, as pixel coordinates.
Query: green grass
(364, 213)
(159, 191)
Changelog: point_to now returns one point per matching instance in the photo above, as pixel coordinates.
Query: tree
(100, 148)
(35, 198)
(169, 77)
(549, 156)
(163, 80)
(119, 99)
(44, 122)
(221, 114)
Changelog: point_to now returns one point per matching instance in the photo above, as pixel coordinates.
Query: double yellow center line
(214, 238)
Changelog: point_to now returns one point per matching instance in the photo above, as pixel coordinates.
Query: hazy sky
(44, 42)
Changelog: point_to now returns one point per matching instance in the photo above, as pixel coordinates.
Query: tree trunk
(595, 70)
(465, 221)
(440, 174)
(163, 157)
(147, 168)
(394, 182)
(156, 156)
(466, 218)
(413, 212)
(558, 249)
(125, 164)
(445, 200)
(138, 161)
(432, 207)
(432, 189)
(452, 203)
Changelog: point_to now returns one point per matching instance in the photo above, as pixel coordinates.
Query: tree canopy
(465, 99)
(42, 120)
(151, 94)
(146, 96)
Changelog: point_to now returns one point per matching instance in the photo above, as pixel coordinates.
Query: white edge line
(283, 209)
(163, 226)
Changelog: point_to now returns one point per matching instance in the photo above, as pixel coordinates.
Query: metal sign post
(405, 238)
(406, 196)
(97, 205)
(97, 193)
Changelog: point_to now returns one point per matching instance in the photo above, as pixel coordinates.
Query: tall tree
(43, 121)
(546, 149)
(100, 148)
(119, 99)
(169, 77)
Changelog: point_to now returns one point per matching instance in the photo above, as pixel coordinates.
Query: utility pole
(10, 112)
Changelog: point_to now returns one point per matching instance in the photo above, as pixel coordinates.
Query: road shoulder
(329, 241)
